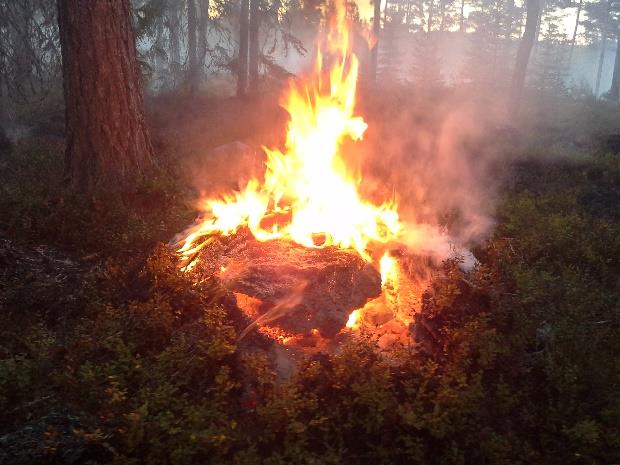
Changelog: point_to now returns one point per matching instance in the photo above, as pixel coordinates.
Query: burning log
(303, 288)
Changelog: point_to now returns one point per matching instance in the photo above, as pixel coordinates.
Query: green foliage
(151, 379)
(157, 383)
(37, 207)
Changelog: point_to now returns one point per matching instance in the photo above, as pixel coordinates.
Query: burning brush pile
(306, 256)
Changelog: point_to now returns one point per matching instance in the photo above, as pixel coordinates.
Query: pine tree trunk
(462, 18)
(159, 43)
(601, 61)
(539, 22)
(174, 26)
(376, 30)
(385, 12)
(574, 39)
(242, 65)
(22, 51)
(614, 91)
(442, 15)
(107, 140)
(4, 103)
(203, 31)
(174, 42)
(407, 13)
(192, 52)
(429, 25)
(4, 71)
(538, 27)
(254, 45)
(509, 21)
(523, 55)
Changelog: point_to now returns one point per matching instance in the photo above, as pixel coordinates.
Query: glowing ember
(308, 194)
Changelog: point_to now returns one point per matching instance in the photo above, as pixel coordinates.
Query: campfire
(306, 255)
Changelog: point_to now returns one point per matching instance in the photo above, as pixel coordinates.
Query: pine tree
(549, 67)
(491, 43)
(390, 57)
(107, 139)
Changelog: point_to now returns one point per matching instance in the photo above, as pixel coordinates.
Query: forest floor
(109, 355)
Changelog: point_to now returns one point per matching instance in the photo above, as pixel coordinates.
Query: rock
(300, 288)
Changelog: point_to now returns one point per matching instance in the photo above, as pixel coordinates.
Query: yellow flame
(388, 267)
(354, 319)
(389, 270)
(308, 190)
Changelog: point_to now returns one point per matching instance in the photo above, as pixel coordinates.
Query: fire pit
(303, 288)
(300, 247)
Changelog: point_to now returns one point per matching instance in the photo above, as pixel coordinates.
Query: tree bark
(523, 55)
(601, 60)
(539, 21)
(543, 5)
(376, 31)
(203, 31)
(159, 43)
(192, 52)
(442, 15)
(254, 45)
(173, 28)
(3, 94)
(462, 18)
(107, 140)
(242, 65)
(614, 91)
(385, 12)
(510, 9)
(429, 25)
(407, 13)
(574, 39)
(4, 71)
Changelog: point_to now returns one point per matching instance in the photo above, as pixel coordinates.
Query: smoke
(432, 150)
(437, 156)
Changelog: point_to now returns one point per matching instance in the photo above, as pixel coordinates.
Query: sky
(568, 14)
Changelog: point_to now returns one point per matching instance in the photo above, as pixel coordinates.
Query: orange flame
(390, 272)
(307, 186)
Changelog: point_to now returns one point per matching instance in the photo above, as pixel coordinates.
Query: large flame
(308, 194)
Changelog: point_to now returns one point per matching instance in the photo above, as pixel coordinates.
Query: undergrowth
(121, 359)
